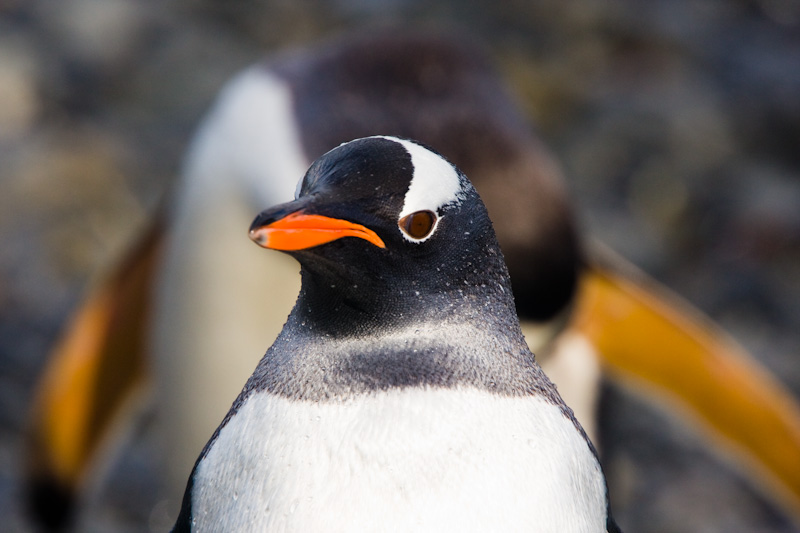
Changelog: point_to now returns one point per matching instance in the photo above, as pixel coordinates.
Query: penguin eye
(418, 225)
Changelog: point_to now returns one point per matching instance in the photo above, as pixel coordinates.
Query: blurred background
(677, 123)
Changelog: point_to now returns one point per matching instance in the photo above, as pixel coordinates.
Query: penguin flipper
(91, 379)
(651, 340)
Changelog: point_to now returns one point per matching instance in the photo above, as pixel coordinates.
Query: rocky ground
(677, 123)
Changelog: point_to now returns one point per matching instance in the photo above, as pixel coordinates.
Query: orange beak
(299, 231)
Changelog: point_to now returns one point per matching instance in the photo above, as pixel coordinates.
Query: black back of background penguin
(393, 332)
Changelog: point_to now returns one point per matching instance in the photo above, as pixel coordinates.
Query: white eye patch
(435, 184)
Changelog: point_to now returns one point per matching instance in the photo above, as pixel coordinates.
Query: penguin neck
(351, 334)
(349, 347)
(342, 306)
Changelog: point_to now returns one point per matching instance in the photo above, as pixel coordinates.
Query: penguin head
(386, 223)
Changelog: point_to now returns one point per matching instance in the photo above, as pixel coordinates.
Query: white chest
(405, 460)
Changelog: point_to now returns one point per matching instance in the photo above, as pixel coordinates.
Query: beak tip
(258, 236)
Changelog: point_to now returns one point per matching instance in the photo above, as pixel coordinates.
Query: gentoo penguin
(400, 395)
(194, 294)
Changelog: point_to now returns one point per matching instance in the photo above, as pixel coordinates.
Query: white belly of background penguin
(400, 395)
